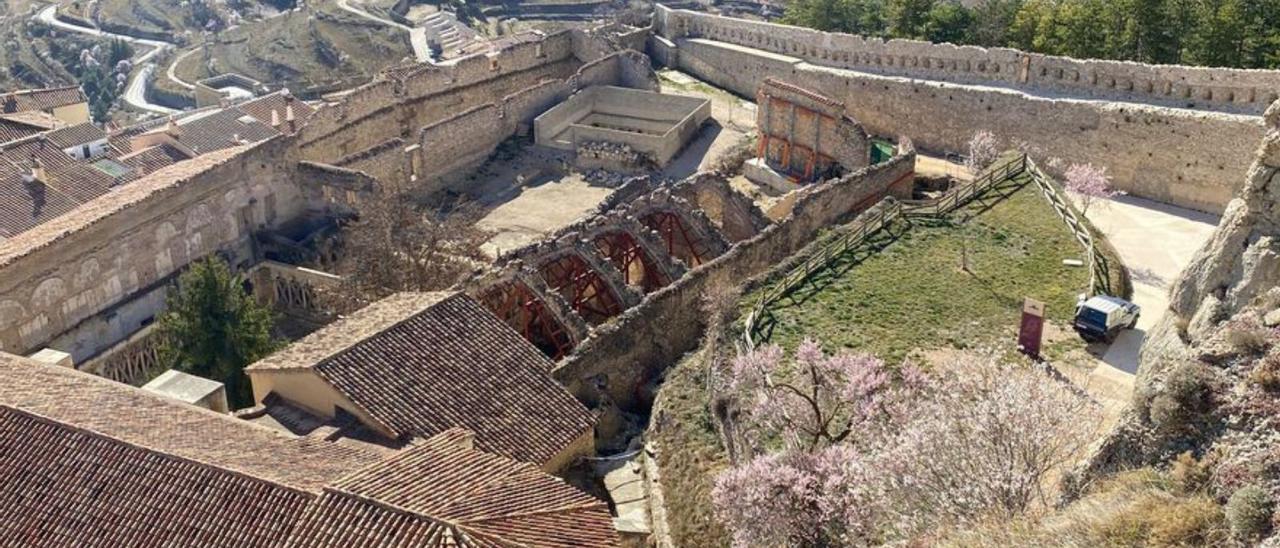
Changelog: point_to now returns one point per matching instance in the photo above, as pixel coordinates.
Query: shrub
(1248, 338)
(1266, 373)
(1191, 522)
(1189, 474)
(1184, 398)
(1249, 512)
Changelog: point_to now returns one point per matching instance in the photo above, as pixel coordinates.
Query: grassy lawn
(914, 293)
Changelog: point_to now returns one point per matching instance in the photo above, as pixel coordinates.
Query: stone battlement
(1220, 89)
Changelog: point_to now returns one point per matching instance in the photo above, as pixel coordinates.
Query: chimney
(10, 104)
(37, 173)
(288, 117)
(172, 129)
(275, 118)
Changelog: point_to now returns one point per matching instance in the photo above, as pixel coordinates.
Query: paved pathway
(1155, 241)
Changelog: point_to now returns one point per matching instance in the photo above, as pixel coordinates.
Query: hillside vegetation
(314, 49)
(1226, 33)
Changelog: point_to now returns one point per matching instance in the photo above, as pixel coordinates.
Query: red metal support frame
(679, 242)
(622, 249)
(514, 303)
(582, 286)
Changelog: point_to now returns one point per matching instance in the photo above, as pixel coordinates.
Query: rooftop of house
(39, 182)
(25, 124)
(41, 99)
(75, 135)
(421, 363)
(85, 460)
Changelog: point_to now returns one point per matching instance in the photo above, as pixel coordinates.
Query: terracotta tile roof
(79, 134)
(67, 486)
(421, 492)
(41, 99)
(24, 203)
(261, 108)
(141, 418)
(423, 363)
(153, 158)
(25, 124)
(115, 202)
(85, 461)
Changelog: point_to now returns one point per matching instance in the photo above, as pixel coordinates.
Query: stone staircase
(444, 29)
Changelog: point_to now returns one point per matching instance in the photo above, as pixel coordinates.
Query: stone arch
(582, 287)
(89, 272)
(48, 294)
(11, 312)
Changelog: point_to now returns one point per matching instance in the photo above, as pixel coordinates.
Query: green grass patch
(916, 293)
(689, 454)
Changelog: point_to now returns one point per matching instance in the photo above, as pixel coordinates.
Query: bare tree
(397, 245)
(977, 439)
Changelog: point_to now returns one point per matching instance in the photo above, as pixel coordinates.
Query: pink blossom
(1089, 183)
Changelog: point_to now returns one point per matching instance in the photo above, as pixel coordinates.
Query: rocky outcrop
(1222, 291)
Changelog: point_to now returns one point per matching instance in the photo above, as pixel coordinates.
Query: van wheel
(1133, 324)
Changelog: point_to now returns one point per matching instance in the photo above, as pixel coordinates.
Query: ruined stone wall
(1230, 90)
(469, 137)
(116, 253)
(394, 107)
(637, 345)
(1189, 158)
(384, 162)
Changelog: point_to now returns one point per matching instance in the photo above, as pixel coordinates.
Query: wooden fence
(887, 210)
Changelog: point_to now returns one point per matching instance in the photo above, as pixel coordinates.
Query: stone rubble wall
(1184, 157)
(466, 139)
(398, 105)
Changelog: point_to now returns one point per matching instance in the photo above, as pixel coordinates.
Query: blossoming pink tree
(1089, 183)
(912, 451)
(983, 150)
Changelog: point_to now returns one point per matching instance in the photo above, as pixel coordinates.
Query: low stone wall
(1183, 157)
(633, 348)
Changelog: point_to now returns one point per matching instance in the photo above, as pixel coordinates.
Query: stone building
(414, 365)
(804, 137)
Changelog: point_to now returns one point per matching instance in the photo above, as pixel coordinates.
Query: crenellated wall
(1229, 90)
(1186, 157)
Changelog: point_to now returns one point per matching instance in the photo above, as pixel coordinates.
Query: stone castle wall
(1185, 157)
(467, 138)
(397, 106)
(1230, 90)
(117, 253)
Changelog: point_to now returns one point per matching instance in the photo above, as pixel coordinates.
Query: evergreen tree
(948, 22)
(213, 328)
(907, 18)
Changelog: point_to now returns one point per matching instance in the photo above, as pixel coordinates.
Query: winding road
(135, 93)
